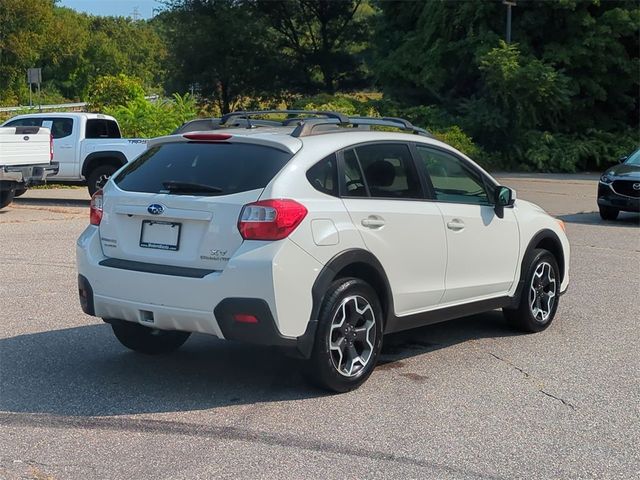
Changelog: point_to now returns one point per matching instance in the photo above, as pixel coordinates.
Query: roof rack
(306, 127)
(319, 113)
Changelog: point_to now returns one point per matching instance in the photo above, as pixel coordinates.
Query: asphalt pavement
(464, 399)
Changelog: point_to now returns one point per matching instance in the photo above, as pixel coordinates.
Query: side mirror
(504, 197)
(623, 158)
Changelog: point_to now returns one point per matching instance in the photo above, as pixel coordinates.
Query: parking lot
(464, 399)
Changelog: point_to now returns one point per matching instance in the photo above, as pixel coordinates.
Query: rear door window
(388, 168)
(219, 168)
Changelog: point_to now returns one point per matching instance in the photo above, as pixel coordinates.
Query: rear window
(60, 127)
(229, 167)
(101, 128)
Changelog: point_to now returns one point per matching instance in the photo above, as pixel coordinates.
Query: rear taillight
(270, 219)
(95, 209)
(50, 147)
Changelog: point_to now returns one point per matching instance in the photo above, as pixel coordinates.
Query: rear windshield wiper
(188, 187)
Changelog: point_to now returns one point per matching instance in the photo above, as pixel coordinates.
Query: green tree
(24, 25)
(322, 40)
(573, 68)
(120, 45)
(221, 46)
(63, 57)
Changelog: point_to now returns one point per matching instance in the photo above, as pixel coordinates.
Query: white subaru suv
(319, 234)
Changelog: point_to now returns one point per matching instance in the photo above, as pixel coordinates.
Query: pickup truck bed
(25, 159)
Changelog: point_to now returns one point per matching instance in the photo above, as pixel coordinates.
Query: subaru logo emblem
(155, 209)
(636, 186)
(25, 138)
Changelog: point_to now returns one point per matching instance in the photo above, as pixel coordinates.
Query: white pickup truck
(25, 159)
(87, 146)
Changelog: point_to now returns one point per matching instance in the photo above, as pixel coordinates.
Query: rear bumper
(607, 197)
(28, 174)
(207, 303)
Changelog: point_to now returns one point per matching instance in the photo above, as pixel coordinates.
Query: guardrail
(76, 105)
(44, 107)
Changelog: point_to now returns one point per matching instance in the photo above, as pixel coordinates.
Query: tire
(20, 192)
(148, 340)
(7, 193)
(355, 332)
(540, 296)
(608, 213)
(99, 176)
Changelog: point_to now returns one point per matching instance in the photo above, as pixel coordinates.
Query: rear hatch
(178, 203)
(25, 146)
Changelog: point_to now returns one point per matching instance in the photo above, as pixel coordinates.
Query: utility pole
(509, 4)
(135, 15)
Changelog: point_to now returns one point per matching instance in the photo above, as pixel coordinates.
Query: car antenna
(249, 126)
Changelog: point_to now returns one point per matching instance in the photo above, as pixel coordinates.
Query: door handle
(66, 146)
(456, 225)
(372, 222)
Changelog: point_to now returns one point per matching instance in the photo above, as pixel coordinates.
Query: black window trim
(487, 182)
(342, 188)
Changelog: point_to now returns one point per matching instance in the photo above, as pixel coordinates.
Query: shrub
(347, 104)
(595, 149)
(111, 90)
(144, 118)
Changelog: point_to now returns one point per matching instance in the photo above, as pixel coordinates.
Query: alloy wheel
(102, 181)
(542, 292)
(352, 335)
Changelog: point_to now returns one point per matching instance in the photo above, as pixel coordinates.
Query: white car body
(438, 260)
(78, 155)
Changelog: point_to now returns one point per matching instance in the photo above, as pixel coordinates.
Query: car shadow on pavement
(83, 371)
(403, 345)
(625, 219)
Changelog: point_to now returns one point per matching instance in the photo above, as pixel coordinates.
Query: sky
(122, 8)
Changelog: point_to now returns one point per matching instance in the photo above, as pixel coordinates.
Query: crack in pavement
(528, 376)
(558, 398)
(167, 427)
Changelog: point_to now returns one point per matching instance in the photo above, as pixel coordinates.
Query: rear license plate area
(160, 235)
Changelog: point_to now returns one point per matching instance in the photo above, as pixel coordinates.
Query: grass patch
(49, 186)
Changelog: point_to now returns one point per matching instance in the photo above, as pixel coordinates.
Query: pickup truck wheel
(7, 192)
(99, 176)
(148, 340)
(349, 336)
(539, 298)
